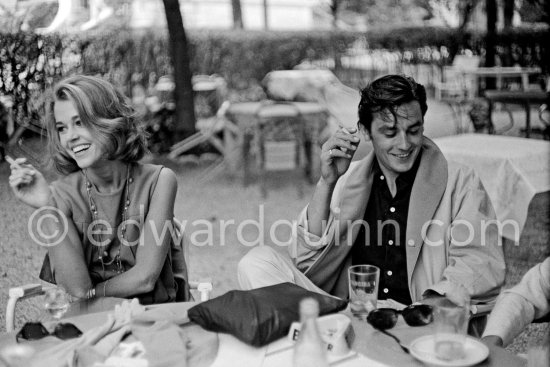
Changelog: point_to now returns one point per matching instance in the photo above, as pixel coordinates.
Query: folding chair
(458, 88)
(280, 137)
(210, 108)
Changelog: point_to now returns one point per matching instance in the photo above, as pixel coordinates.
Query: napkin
(166, 334)
(164, 343)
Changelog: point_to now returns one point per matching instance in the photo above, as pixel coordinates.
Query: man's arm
(475, 259)
(319, 208)
(520, 305)
(336, 156)
(313, 228)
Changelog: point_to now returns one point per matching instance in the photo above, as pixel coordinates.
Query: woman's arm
(28, 184)
(154, 243)
(67, 256)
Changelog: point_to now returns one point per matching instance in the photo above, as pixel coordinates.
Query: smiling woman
(108, 209)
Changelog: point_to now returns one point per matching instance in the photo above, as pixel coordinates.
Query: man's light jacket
(451, 236)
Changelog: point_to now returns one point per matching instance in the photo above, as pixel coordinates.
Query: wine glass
(56, 302)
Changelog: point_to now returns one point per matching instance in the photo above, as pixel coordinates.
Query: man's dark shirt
(387, 215)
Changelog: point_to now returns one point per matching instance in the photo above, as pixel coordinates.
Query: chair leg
(300, 187)
(263, 183)
(10, 313)
(457, 116)
(15, 294)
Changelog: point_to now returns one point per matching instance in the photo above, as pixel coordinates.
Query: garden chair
(207, 130)
(280, 140)
(203, 287)
(458, 87)
(210, 108)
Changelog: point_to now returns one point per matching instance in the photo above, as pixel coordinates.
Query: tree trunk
(509, 7)
(490, 38)
(183, 93)
(237, 14)
(334, 5)
(266, 18)
(467, 7)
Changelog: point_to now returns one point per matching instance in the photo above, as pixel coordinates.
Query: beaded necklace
(93, 209)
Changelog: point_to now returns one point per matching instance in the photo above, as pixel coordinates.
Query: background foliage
(30, 63)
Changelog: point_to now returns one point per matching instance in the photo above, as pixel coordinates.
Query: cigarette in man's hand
(347, 132)
(12, 161)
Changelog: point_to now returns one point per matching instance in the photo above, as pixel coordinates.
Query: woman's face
(77, 140)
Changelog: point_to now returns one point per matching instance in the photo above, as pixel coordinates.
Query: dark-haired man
(425, 223)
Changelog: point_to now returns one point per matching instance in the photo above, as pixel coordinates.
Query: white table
(511, 169)
(298, 85)
(376, 349)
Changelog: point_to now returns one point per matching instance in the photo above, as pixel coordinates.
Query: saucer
(423, 349)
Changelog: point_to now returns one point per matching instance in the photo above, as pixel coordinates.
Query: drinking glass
(451, 325)
(363, 289)
(56, 302)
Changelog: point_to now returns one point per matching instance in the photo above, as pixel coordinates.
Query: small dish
(423, 349)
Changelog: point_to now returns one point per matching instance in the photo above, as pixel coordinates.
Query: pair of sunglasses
(386, 318)
(414, 315)
(36, 331)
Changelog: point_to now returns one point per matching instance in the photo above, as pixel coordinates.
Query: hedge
(30, 63)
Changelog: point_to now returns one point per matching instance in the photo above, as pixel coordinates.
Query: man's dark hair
(388, 93)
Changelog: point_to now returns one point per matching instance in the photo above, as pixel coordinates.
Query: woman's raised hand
(336, 154)
(27, 183)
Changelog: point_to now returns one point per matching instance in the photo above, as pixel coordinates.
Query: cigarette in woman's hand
(12, 161)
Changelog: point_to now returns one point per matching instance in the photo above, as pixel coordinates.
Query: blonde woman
(111, 209)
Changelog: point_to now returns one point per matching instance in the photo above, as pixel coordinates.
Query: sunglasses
(414, 315)
(36, 331)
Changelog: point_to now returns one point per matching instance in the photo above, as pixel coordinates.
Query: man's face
(397, 141)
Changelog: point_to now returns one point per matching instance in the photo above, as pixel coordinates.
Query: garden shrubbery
(30, 63)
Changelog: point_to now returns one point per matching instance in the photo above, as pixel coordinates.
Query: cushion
(259, 316)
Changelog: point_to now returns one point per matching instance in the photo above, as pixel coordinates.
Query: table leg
(232, 138)
(525, 81)
(527, 119)
(247, 137)
(499, 82)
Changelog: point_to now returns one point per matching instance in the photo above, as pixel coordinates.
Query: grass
(213, 196)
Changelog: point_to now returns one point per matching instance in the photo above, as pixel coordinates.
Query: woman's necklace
(103, 253)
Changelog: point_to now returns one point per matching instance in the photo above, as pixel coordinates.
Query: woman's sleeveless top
(70, 196)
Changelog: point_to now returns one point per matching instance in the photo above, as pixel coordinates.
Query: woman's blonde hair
(104, 110)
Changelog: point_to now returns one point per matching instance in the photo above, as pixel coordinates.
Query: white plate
(423, 349)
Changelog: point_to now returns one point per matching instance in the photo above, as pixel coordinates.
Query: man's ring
(330, 152)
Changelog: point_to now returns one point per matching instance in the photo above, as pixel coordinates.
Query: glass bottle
(309, 350)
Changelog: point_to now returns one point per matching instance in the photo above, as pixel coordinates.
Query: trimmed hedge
(30, 63)
(525, 46)
(243, 58)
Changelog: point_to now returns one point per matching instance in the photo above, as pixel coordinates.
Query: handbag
(259, 316)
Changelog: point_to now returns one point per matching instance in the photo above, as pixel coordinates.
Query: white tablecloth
(512, 170)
